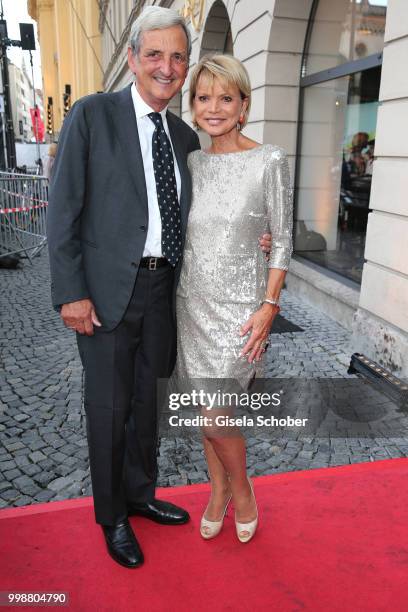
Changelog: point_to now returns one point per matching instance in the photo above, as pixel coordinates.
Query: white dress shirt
(146, 128)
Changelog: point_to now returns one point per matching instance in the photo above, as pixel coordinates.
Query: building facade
(70, 43)
(22, 100)
(329, 85)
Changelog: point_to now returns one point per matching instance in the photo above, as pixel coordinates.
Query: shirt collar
(141, 107)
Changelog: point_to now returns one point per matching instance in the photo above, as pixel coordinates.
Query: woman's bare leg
(220, 485)
(226, 457)
(232, 455)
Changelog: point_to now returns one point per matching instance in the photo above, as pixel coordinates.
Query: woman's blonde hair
(52, 149)
(226, 68)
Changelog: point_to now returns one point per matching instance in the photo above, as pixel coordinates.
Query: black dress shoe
(122, 545)
(160, 511)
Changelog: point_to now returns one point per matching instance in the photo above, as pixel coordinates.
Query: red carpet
(329, 540)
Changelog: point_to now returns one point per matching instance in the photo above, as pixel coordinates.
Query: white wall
(27, 153)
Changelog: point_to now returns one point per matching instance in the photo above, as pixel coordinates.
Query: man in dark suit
(118, 208)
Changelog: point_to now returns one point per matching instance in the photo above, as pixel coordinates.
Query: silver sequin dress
(236, 198)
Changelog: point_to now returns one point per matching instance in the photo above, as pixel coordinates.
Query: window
(344, 30)
(338, 112)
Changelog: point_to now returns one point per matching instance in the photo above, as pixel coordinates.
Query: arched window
(217, 36)
(341, 70)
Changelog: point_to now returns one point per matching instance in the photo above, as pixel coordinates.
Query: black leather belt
(152, 263)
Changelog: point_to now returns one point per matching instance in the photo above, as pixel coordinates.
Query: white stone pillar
(381, 322)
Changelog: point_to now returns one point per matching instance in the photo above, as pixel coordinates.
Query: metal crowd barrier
(23, 208)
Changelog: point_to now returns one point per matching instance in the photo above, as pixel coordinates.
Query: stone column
(44, 14)
(64, 57)
(381, 322)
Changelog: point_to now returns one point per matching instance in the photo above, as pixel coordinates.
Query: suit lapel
(126, 131)
(184, 172)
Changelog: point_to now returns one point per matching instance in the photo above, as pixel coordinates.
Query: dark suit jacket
(98, 214)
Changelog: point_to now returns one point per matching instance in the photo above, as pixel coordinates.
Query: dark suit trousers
(121, 404)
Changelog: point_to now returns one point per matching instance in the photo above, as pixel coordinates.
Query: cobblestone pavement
(43, 450)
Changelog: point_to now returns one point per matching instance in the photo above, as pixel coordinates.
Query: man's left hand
(265, 242)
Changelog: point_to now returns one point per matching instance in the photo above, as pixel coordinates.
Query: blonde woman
(228, 296)
(49, 161)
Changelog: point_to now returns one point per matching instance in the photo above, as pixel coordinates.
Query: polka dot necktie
(166, 186)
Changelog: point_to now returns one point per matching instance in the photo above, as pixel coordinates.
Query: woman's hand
(260, 323)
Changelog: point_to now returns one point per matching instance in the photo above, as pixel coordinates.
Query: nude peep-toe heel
(246, 531)
(210, 529)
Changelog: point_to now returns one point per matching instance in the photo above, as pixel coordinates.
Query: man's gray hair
(156, 18)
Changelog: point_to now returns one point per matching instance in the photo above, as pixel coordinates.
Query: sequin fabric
(236, 198)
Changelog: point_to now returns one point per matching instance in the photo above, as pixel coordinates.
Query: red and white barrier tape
(24, 196)
(6, 211)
